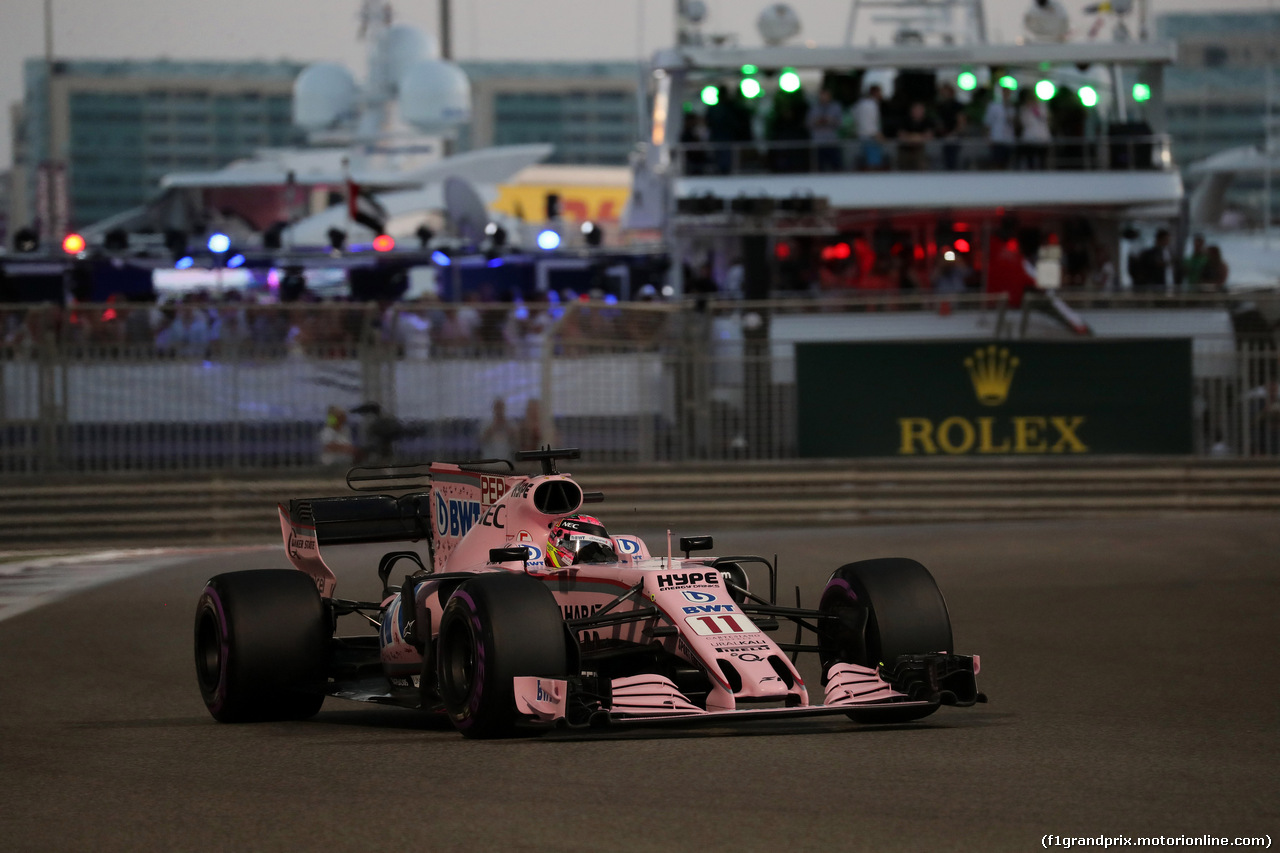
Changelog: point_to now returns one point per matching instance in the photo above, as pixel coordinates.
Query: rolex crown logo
(991, 371)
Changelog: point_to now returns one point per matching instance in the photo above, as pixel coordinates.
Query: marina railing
(231, 386)
(958, 154)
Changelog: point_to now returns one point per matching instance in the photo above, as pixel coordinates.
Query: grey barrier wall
(230, 386)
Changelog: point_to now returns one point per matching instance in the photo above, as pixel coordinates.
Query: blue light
(440, 258)
(610, 299)
(494, 262)
(184, 263)
(548, 240)
(234, 261)
(219, 242)
(553, 296)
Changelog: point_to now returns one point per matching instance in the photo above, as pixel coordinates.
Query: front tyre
(883, 609)
(495, 628)
(260, 646)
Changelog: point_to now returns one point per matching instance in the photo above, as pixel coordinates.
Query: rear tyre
(495, 628)
(260, 646)
(885, 608)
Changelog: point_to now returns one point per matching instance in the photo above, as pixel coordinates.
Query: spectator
(529, 434)
(912, 135)
(186, 335)
(825, 120)
(866, 114)
(1264, 407)
(1152, 268)
(787, 125)
(998, 121)
(693, 136)
(379, 433)
(952, 275)
(1213, 278)
(1034, 124)
(336, 446)
(950, 114)
(1193, 266)
(728, 123)
(499, 436)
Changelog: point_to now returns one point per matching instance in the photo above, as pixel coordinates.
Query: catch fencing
(231, 386)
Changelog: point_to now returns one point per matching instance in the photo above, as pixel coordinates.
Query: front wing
(912, 681)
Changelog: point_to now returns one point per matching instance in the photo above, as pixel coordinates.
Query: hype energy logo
(455, 517)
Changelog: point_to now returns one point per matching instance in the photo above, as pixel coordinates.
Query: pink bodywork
(472, 513)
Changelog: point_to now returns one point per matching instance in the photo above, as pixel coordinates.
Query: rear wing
(448, 499)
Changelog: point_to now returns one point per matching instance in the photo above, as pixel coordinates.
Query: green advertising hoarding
(994, 398)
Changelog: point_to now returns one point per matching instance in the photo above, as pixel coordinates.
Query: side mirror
(695, 543)
(509, 554)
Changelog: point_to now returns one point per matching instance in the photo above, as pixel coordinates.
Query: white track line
(40, 580)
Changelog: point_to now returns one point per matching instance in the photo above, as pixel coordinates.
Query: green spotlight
(750, 87)
(749, 69)
(1088, 96)
(1045, 90)
(710, 95)
(1008, 81)
(967, 81)
(789, 80)
(1141, 92)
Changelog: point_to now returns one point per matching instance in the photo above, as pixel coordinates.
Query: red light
(384, 243)
(918, 253)
(782, 251)
(960, 226)
(108, 315)
(962, 245)
(841, 250)
(73, 244)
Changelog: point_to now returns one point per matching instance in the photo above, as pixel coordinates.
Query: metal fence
(236, 386)
(1117, 153)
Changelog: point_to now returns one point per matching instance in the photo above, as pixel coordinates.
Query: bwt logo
(546, 694)
(710, 608)
(627, 546)
(699, 596)
(455, 517)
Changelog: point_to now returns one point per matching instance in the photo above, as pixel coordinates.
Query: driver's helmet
(579, 539)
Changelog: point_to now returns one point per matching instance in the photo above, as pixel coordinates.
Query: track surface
(1131, 667)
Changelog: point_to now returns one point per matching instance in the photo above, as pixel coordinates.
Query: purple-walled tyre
(260, 646)
(495, 628)
(883, 609)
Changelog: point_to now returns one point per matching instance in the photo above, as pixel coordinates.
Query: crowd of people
(994, 129)
(1159, 269)
(201, 326)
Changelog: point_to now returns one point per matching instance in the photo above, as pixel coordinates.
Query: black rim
(458, 661)
(208, 651)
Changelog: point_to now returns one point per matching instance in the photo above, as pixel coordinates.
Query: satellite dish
(777, 23)
(435, 96)
(402, 46)
(466, 212)
(1047, 20)
(692, 11)
(325, 95)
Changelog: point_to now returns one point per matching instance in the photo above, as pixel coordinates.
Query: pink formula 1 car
(527, 614)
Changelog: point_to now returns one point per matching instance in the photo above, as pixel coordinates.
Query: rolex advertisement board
(1002, 398)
